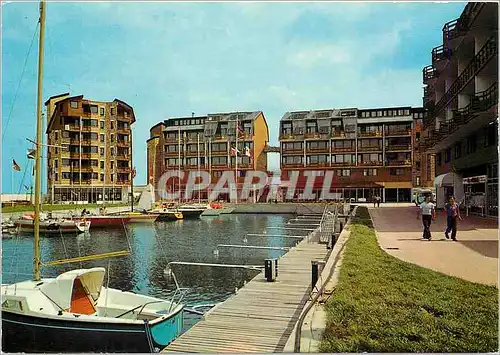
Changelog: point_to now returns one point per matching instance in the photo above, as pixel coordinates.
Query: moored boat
(76, 312)
(99, 221)
(191, 211)
(165, 214)
(53, 226)
(138, 217)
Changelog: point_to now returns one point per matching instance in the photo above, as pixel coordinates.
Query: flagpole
(236, 157)
(179, 162)
(12, 184)
(198, 150)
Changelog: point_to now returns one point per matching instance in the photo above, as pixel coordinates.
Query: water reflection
(153, 246)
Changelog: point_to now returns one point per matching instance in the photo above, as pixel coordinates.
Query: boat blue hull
(22, 333)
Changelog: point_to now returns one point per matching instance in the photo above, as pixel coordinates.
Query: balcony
(370, 163)
(173, 154)
(122, 143)
(195, 153)
(370, 149)
(293, 150)
(343, 149)
(370, 134)
(337, 134)
(398, 147)
(318, 150)
(406, 162)
(173, 140)
(292, 165)
(398, 133)
(343, 164)
(485, 54)
(124, 170)
(460, 26)
(219, 137)
(440, 53)
(311, 135)
(429, 73)
(122, 130)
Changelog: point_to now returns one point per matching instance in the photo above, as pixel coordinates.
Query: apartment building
(207, 143)
(89, 150)
(461, 97)
(368, 150)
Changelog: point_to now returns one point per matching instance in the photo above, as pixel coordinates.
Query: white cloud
(319, 55)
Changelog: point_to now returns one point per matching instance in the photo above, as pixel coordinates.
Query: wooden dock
(261, 316)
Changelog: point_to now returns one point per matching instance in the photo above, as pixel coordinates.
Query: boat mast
(131, 173)
(36, 242)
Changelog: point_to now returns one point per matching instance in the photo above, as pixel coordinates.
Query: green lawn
(48, 208)
(383, 304)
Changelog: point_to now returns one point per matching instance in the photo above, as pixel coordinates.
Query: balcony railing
(286, 136)
(322, 164)
(292, 150)
(370, 149)
(399, 162)
(173, 140)
(488, 51)
(343, 149)
(318, 150)
(370, 163)
(312, 135)
(293, 165)
(370, 134)
(459, 27)
(399, 132)
(440, 53)
(343, 164)
(398, 147)
(337, 134)
(429, 73)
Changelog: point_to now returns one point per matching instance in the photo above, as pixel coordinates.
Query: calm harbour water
(152, 247)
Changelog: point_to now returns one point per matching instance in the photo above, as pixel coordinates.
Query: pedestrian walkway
(473, 257)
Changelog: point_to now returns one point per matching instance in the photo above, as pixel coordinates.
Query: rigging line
(20, 81)
(24, 175)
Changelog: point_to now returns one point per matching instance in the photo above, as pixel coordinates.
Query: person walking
(378, 200)
(428, 211)
(452, 210)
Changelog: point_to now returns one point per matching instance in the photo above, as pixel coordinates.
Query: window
(102, 138)
(112, 164)
(407, 112)
(112, 151)
(112, 124)
(112, 177)
(66, 176)
(57, 150)
(102, 164)
(65, 162)
(112, 110)
(112, 137)
(102, 111)
(102, 177)
(74, 104)
(471, 144)
(396, 171)
(447, 155)
(65, 134)
(102, 124)
(101, 151)
(219, 160)
(400, 112)
(458, 150)
(370, 172)
(93, 109)
(438, 159)
(417, 136)
(56, 163)
(379, 113)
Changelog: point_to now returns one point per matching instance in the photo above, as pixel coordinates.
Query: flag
(241, 132)
(31, 153)
(15, 166)
(234, 151)
(248, 152)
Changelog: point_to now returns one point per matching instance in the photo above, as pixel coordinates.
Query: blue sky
(171, 59)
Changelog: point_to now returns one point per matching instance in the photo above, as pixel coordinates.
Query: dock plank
(260, 317)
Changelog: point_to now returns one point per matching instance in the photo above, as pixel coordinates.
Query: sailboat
(76, 312)
(146, 202)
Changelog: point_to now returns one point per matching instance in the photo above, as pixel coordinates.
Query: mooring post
(317, 267)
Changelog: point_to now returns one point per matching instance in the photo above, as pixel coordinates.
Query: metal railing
(488, 51)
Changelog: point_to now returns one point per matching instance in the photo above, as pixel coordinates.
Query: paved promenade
(473, 257)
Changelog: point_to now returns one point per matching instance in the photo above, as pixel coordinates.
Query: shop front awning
(448, 179)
